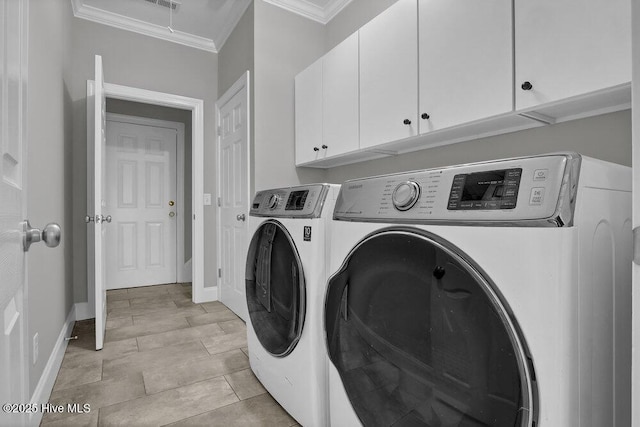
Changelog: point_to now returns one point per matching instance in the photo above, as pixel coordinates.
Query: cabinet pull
(527, 86)
(425, 116)
(407, 122)
(316, 149)
(324, 147)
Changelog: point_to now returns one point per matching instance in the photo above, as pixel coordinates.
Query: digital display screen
(485, 190)
(296, 200)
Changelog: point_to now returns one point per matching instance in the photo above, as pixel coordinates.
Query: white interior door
(13, 145)
(96, 150)
(141, 198)
(232, 110)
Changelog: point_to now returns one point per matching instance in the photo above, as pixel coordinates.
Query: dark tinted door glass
(275, 289)
(418, 342)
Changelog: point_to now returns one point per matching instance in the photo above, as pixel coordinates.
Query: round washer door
(421, 338)
(275, 289)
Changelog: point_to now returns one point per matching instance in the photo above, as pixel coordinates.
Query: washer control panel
(512, 190)
(292, 202)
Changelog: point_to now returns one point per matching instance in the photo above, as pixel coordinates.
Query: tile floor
(165, 361)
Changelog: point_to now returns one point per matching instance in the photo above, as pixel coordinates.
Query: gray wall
(129, 108)
(234, 59)
(606, 137)
(139, 61)
(285, 44)
(49, 119)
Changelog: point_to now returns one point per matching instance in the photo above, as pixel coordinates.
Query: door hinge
(219, 272)
(219, 202)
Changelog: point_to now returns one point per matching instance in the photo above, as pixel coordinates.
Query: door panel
(13, 145)
(141, 181)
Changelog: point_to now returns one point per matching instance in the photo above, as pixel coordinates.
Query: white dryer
(487, 294)
(285, 282)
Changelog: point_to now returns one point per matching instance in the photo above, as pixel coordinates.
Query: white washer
(487, 294)
(285, 282)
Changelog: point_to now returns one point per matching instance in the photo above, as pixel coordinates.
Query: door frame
(182, 268)
(242, 82)
(196, 106)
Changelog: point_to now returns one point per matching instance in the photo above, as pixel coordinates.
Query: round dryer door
(421, 338)
(275, 289)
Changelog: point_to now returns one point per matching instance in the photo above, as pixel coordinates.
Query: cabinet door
(389, 75)
(308, 108)
(340, 112)
(570, 47)
(466, 61)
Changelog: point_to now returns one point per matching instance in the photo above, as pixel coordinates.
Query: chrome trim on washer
(264, 194)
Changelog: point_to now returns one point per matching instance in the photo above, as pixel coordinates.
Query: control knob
(273, 201)
(405, 195)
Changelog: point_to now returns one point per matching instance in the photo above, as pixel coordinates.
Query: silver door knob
(240, 217)
(107, 219)
(51, 235)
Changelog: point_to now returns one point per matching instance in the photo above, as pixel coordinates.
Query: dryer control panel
(536, 190)
(292, 202)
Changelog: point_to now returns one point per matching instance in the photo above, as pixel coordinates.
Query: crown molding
(230, 24)
(100, 16)
(312, 11)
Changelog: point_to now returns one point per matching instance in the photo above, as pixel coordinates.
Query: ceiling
(203, 24)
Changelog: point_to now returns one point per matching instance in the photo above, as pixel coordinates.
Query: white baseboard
(84, 311)
(205, 294)
(43, 390)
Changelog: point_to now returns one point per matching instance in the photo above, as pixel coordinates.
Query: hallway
(166, 361)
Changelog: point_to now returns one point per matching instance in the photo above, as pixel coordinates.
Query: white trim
(211, 293)
(48, 378)
(311, 10)
(242, 83)
(196, 106)
(122, 22)
(181, 274)
(230, 24)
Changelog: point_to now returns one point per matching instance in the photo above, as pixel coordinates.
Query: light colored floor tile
(212, 307)
(156, 380)
(260, 411)
(74, 376)
(171, 405)
(147, 291)
(233, 326)
(218, 316)
(226, 342)
(191, 310)
(164, 357)
(140, 330)
(158, 299)
(141, 310)
(89, 419)
(245, 384)
(118, 304)
(176, 337)
(119, 322)
(82, 357)
(245, 350)
(97, 395)
(112, 292)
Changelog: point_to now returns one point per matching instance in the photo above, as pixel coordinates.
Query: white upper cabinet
(570, 47)
(389, 75)
(466, 61)
(308, 108)
(340, 127)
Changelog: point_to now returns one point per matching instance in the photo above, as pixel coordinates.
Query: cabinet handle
(407, 122)
(425, 116)
(324, 147)
(316, 149)
(527, 86)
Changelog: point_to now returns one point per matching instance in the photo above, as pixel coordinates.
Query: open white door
(96, 153)
(232, 111)
(13, 147)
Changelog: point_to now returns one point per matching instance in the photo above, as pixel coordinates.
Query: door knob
(240, 217)
(171, 203)
(98, 219)
(50, 235)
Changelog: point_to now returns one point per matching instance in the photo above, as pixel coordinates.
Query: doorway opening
(148, 173)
